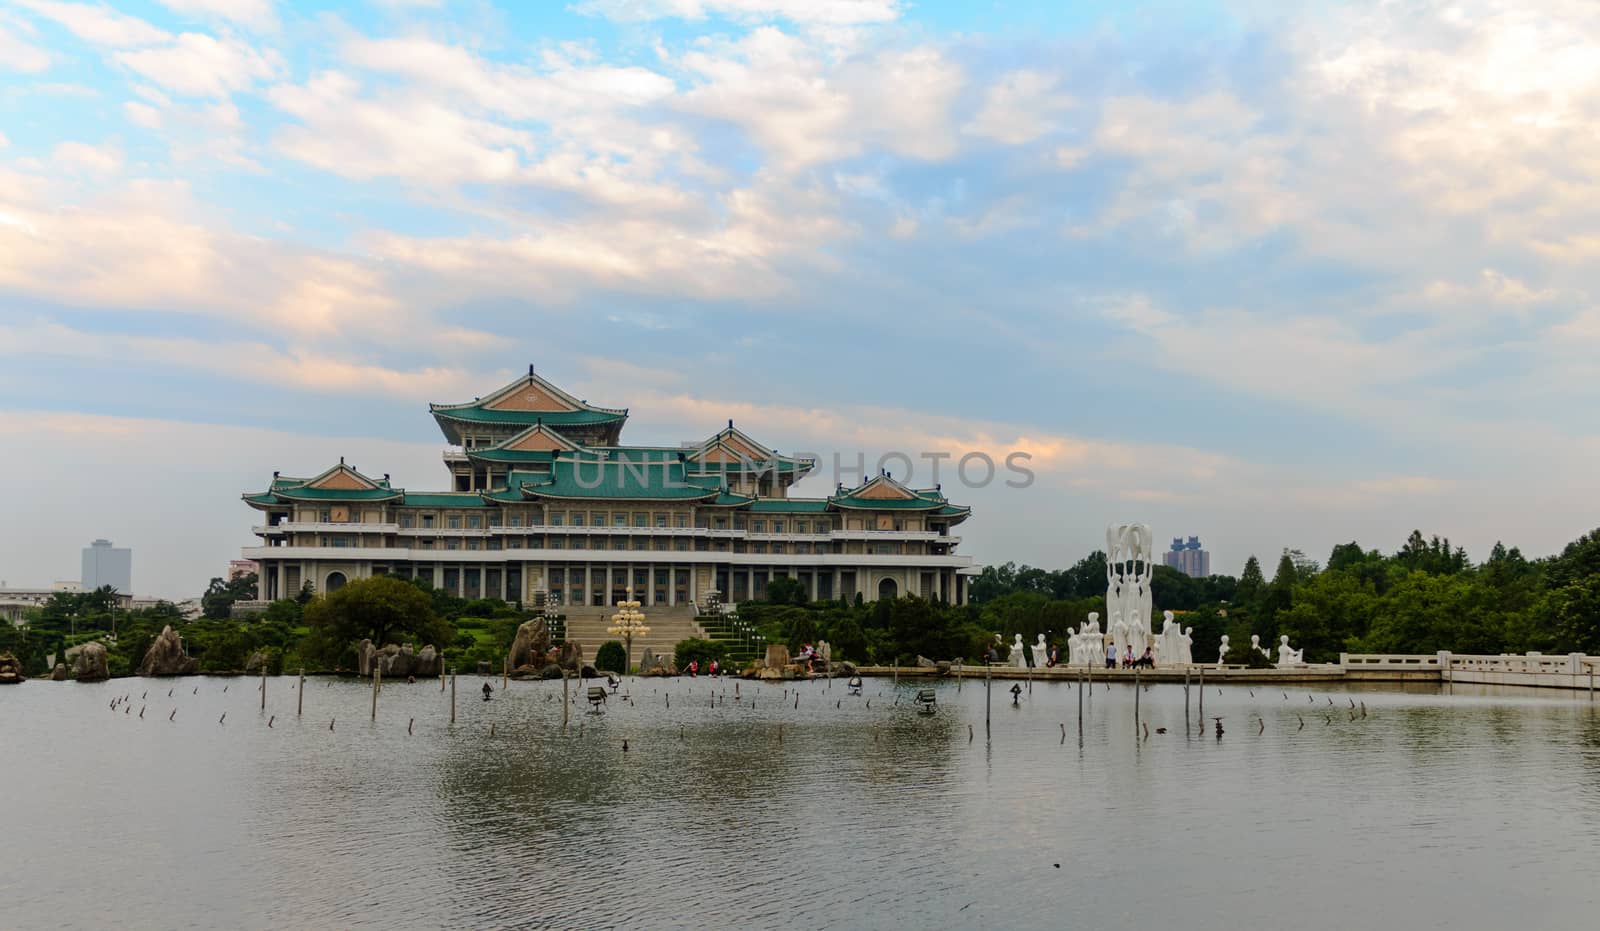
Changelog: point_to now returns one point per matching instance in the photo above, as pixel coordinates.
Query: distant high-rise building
(1188, 557)
(104, 564)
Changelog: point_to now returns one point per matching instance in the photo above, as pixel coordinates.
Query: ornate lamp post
(627, 623)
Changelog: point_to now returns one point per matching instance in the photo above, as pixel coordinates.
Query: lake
(1469, 810)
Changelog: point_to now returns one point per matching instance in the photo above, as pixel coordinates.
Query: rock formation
(429, 664)
(10, 669)
(59, 674)
(89, 665)
(365, 654)
(166, 657)
(651, 664)
(531, 644)
(777, 656)
(256, 661)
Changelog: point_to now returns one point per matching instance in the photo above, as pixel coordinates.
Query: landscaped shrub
(610, 657)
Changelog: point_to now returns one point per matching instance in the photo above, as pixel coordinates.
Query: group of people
(712, 668)
(1128, 661)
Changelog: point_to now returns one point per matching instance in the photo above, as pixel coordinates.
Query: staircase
(742, 647)
(667, 626)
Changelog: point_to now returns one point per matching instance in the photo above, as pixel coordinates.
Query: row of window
(660, 544)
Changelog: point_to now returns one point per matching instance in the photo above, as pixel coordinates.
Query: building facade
(104, 564)
(545, 503)
(1188, 557)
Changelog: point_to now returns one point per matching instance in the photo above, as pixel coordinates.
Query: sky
(1277, 275)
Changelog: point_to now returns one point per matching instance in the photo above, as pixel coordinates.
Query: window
(558, 519)
(406, 520)
(474, 522)
(661, 521)
(454, 521)
(758, 526)
(800, 527)
(683, 521)
(472, 544)
(777, 526)
(577, 518)
(642, 519)
(452, 545)
(325, 516)
(683, 544)
(619, 519)
(516, 520)
(557, 543)
(427, 520)
(886, 549)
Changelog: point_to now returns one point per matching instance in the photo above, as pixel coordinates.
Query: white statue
(1019, 656)
(1186, 647)
(1167, 648)
(1288, 656)
(1130, 568)
(1041, 653)
(1255, 644)
(1222, 651)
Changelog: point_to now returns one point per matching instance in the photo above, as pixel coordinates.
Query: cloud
(199, 65)
(98, 25)
(1019, 108)
(16, 52)
(258, 14)
(817, 12)
(87, 159)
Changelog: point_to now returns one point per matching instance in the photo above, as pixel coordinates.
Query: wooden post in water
(1202, 698)
(300, 697)
(1080, 709)
(263, 685)
(1186, 699)
(1136, 691)
(505, 679)
(377, 683)
(452, 695)
(987, 689)
(565, 704)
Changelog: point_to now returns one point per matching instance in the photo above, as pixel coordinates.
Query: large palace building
(545, 504)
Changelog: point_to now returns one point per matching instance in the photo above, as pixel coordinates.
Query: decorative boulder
(89, 665)
(571, 654)
(166, 657)
(530, 644)
(398, 661)
(365, 655)
(10, 669)
(653, 664)
(428, 663)
(777, 656)
(847, 668)
(256, 661)
(59, 674)
(924, 663)
(551, 671)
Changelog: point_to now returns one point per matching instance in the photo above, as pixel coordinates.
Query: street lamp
(627, 623)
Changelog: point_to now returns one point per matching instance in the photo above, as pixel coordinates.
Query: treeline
(1425, 597)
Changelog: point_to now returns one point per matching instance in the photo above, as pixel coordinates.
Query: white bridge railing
(1567, 665)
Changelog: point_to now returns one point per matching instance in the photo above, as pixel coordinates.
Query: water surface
(1471, 810)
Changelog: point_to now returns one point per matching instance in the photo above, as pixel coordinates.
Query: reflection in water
(1433, 809)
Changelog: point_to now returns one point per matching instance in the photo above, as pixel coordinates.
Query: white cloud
(817, 12)
(401, 136)
(16, 53)
(259, 14)
(801, 108)
(83, 158)
(1020, 107)
(97, 24)
(200, 65)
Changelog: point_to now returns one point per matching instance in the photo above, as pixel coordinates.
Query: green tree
(611, 657)
(1251, 584)
(380, 609)
(786, 591)
(220, 595)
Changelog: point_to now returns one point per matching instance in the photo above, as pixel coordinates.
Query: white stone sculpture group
(1130, 568)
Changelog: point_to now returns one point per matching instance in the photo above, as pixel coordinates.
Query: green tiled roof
(285, 488)
(923, 499)
(445, 499)
(590, 477)
(476, 413)
(790, 505)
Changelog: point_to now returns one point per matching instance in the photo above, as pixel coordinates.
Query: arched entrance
(335, 582)
(887, 590)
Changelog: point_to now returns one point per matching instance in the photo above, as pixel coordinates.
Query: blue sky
(1279, 278)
